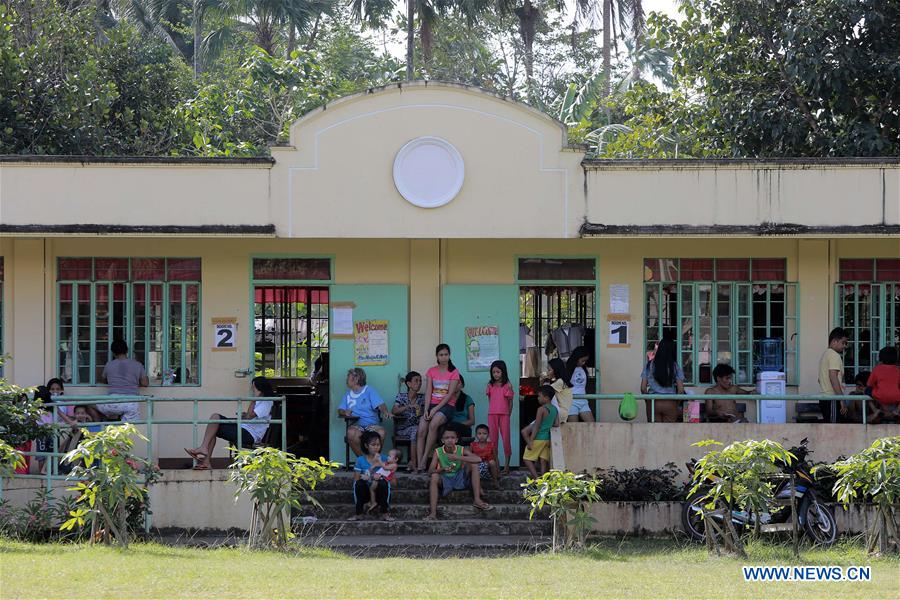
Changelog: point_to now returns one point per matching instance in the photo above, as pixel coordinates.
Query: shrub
(112, 482)
(874, 473)
(276, 481)
(640, 484)
(567, 496)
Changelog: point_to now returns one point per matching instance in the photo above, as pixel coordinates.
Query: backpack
(628, 407)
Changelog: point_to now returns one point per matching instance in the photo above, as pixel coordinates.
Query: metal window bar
(52, 458)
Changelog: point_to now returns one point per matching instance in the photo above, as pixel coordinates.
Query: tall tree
(792, 78)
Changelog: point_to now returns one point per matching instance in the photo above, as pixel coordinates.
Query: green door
(372, 302)
(484, 305)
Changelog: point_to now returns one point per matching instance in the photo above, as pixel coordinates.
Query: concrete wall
(664, 518)
(719, 193)
(589, 446)
(522, 180)
(45, 194)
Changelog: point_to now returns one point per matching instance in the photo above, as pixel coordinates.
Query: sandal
(484, 506)
(429, 518)
(201, 467)
(387, 517)
(199, 456)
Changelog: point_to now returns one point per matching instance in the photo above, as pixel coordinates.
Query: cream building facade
(437, 208)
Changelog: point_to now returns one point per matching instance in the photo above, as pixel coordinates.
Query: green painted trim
(251, 313)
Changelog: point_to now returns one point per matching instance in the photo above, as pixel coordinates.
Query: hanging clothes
(565, 339)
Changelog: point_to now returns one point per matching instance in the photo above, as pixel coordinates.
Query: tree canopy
(215, 78)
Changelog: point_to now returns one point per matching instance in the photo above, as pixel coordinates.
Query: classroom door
(467, 306)
(369, 302)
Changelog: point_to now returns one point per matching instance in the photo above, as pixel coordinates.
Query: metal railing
(756, 398)
(52, 458)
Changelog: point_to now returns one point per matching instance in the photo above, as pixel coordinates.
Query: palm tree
(264, 20)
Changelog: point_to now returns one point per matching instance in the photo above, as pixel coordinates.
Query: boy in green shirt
(453, 468)
(537, 438)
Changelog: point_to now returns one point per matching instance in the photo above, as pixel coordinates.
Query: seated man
(454, 468)
(724, 411)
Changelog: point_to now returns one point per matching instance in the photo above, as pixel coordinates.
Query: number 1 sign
(618, 331)
(224, 334)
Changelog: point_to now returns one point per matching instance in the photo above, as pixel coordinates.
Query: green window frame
(157, 316)
(717, 321)
(870, 311)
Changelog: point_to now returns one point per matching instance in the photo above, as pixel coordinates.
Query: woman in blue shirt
(464, 415)
(363, 409)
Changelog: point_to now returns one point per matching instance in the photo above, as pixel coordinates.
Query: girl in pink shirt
(500, 397)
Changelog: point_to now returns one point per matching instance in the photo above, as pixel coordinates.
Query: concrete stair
(461, 529)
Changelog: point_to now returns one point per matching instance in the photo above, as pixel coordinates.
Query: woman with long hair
(441, 383)
(663, 375)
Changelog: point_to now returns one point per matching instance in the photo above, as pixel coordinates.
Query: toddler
(386, 471)
(485, 449)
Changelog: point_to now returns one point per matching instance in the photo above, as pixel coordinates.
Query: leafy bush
(874, 473)
(276, 481)
(112, 482)
(20, 415)
(10, 460)
(738, 475)
(640, 484)
(39, 520)
(567, 497)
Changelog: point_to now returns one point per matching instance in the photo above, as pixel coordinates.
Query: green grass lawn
(610, 569)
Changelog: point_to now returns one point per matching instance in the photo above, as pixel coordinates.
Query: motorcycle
(815, 518)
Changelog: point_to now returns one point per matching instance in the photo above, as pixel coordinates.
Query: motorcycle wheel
(818, 522)
(692, 520)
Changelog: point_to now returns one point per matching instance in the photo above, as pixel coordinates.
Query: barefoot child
(500, 399)
(486, 450)
(537, 439)
(453, 468)
(365, 483)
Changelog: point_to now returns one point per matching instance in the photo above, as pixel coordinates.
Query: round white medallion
(428, 172)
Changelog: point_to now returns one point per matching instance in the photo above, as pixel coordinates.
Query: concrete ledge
(590, 446)
(664, 518)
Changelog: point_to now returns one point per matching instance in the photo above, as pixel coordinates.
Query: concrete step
(418, 510)
(342, 480)
(436, 546)
(419, 495)
(325, 529)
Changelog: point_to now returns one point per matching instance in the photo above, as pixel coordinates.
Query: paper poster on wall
(224, 334)
(618, 298)
(619, 331)
(482, 347)
(342, 320)
(371, 343)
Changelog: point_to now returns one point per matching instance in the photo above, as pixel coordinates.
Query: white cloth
(579, 381)
(263, 410)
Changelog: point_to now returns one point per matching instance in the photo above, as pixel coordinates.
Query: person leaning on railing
(663, 375)
(125, 376)
(251, 433)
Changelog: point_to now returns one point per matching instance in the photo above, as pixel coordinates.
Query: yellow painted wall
(424, 265)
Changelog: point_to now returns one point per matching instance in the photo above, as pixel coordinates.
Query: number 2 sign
(224, 334)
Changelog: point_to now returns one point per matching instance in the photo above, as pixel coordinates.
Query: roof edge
(177, 230)
(760, 230)
(254, 161)
(597, 164)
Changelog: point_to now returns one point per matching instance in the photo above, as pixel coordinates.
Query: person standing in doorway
(663, 375)
(125, 376)
(576, 366)
(831, 371)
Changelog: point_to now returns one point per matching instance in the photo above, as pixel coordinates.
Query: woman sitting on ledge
(251, 433)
